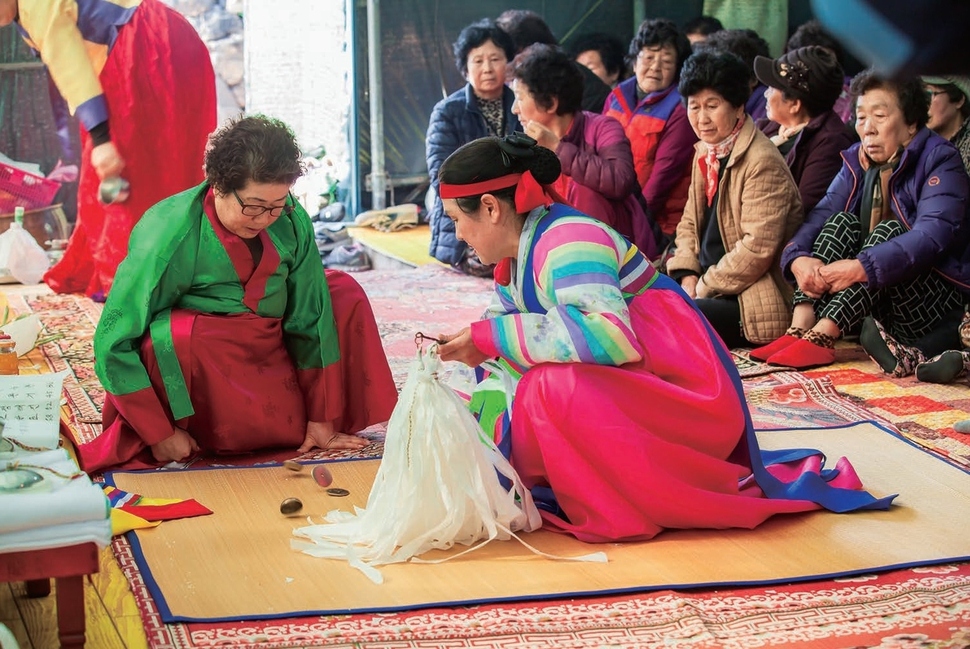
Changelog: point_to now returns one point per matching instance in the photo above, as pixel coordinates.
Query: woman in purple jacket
(598, 176)
(887, 246)
(803, 86)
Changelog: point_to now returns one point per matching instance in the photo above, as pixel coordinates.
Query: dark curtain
(419, 69)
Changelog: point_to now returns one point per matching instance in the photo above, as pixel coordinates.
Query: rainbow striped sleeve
(576, 272)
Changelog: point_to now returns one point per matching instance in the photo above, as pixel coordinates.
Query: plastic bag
(21, 258)
(24, 331)
(437, 486)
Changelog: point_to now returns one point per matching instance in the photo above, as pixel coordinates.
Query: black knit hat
(811, 74)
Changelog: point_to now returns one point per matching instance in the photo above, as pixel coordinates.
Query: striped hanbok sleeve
(576, 270)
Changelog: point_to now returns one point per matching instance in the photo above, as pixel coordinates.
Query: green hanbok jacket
(178, 260)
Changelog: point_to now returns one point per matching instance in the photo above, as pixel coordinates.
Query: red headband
(529, 194)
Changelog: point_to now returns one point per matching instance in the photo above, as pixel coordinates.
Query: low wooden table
(68, 566)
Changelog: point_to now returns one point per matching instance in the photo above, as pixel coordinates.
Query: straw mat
(408, 246)
(237, 563)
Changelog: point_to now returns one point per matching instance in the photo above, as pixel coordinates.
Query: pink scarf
(712, 163)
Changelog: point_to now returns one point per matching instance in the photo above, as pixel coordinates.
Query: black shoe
(945, 368)
(875, 345)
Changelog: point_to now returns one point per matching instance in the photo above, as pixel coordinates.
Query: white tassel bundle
(437, 486)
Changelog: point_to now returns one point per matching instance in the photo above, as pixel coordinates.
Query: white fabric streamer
(437, 486)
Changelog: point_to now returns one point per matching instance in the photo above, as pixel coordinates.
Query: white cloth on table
(57, 536)
(55, 501)
(32, 434)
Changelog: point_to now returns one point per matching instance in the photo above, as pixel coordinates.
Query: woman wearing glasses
(223, 334)
(653, 116)
(949, 109)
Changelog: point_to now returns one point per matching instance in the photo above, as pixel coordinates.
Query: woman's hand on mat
(176, 447)
(842, 274)
(806, 272)
(106, 160)
(460, 347)
(320, 434)
(689, 284)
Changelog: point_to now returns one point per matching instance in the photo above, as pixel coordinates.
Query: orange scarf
(712, 160)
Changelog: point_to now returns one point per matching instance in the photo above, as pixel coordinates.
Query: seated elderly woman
(653, 117)
(802, 88)
(950, 111)
(222, 332)
(742, 208)
(887, 246)
(598, 177)
(482, 107)
(603, 54)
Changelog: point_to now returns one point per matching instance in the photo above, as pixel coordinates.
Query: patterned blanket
(910, 607)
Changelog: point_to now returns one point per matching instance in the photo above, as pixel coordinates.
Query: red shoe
(767, 351)
(803, 355)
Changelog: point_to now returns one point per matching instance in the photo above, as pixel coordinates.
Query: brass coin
(290, 506)
(292, 465)
(337, 491)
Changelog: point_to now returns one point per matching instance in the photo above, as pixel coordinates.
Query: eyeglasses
(646, 58)
(933, 93)
(255, 211)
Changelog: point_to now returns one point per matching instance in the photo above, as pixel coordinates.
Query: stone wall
(295, 66)
(298, 69)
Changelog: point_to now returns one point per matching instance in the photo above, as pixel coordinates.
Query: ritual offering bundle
(438, 485)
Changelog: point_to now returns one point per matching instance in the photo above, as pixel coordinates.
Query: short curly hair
(525, 27)
(256, 148)
(812, 33)
(551, 76)
(476, 35)
(609, 47)
(722, 72)
(745, 44)
(658, 33)
(909, 93)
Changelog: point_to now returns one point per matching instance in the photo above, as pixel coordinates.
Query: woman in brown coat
(743, 206)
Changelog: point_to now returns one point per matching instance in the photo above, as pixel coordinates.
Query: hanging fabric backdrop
(418, 68)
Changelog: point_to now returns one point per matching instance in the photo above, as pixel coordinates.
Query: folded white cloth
(53, 458)
(55, 500)
(30, 434)
(57, 536)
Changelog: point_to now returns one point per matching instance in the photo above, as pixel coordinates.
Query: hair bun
(525, 153)
(545, 166)
(518, 145)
